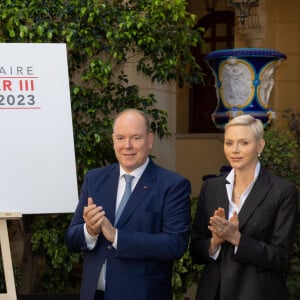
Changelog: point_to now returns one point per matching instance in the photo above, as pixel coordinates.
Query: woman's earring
(258, 155)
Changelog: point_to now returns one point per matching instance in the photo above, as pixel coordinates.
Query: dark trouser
(99, 295)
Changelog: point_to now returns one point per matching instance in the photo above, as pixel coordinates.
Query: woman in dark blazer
(244, 224)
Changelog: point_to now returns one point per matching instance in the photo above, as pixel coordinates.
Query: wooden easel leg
(7, 263)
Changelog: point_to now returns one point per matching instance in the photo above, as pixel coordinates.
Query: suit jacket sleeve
(75, 239)
(200, 235)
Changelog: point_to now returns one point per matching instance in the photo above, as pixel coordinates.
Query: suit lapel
(256, 196)
(142, 189)
(223, 199)
(109, 194)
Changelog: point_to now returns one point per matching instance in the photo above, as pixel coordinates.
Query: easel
(6, 256)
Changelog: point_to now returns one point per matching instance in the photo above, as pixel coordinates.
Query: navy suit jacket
(153, 231)
(267, 224)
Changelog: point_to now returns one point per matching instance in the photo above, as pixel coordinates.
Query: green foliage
(48, 241)
(185, 271)
(281, 154)
(103, 38)
(2, 282)
(17, 275)
(293, 120)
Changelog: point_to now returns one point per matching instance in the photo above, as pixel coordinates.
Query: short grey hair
(140, 112)
(247, 120)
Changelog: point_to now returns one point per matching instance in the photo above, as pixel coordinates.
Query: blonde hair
(247, 120)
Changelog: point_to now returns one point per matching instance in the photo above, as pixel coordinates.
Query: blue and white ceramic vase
(244, 80)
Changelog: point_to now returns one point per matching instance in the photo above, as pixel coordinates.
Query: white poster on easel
(37, 159)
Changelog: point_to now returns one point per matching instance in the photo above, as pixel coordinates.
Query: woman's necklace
(238, 193)
(238, 196)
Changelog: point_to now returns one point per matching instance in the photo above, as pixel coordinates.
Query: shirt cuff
(216, 254)
(89, 239)
(115, 243)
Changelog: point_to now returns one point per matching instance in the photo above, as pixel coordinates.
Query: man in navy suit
(130, 258)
